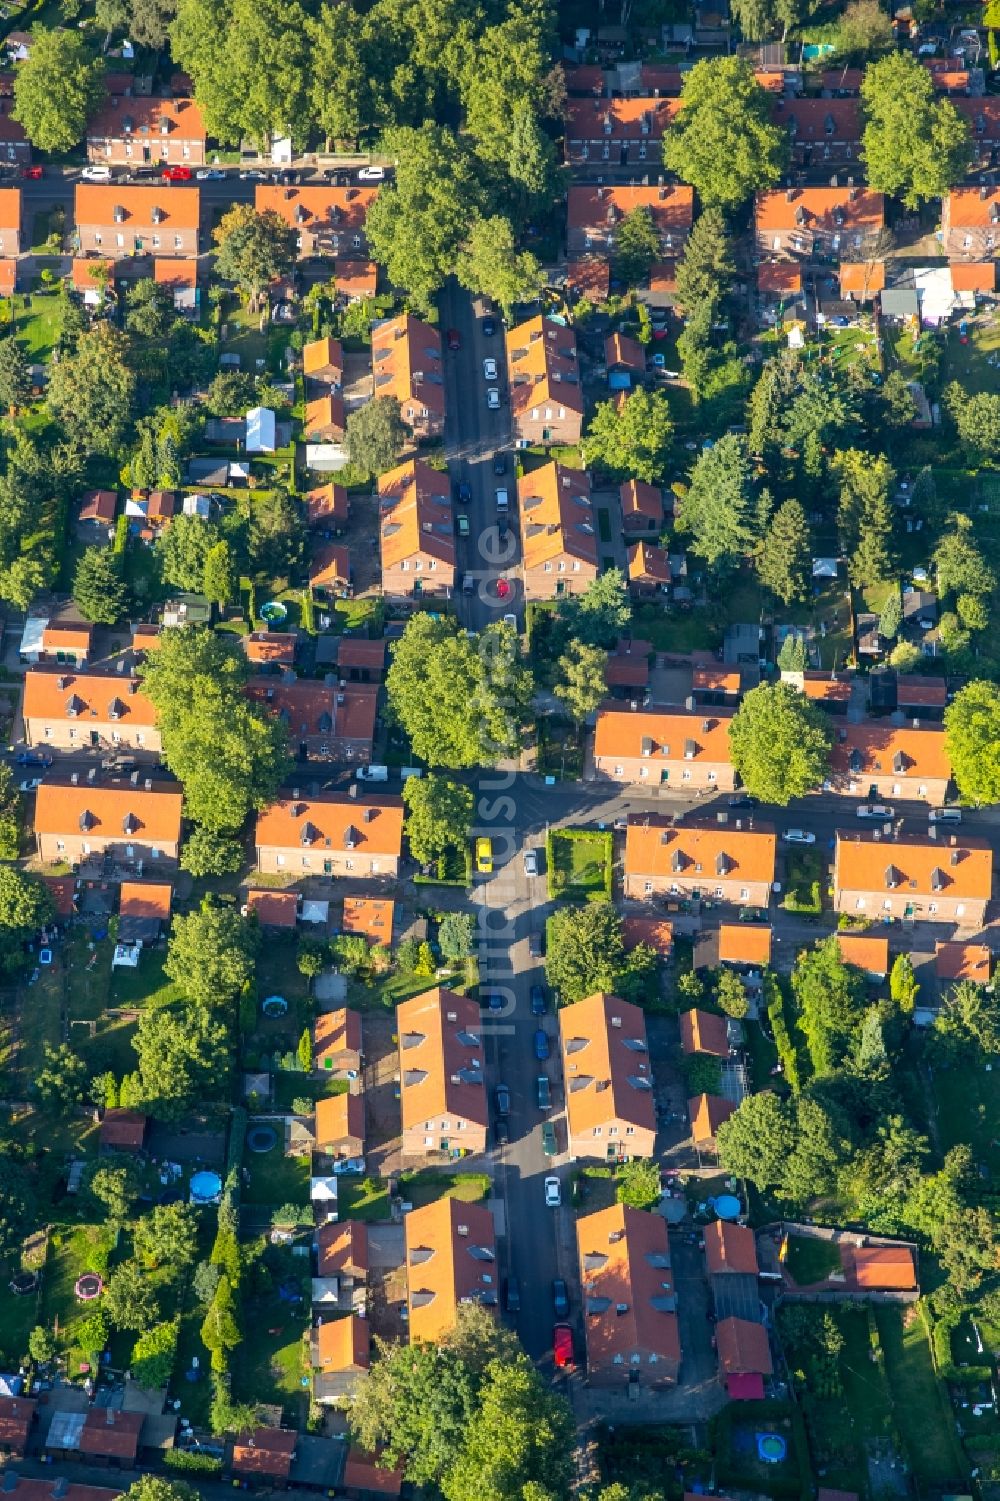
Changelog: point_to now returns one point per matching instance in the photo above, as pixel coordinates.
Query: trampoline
(88, 1287)
(262, 1138)
(23, 1284)
(206, 1187)
(274, 611)
(771, 1448)
(274, 1005)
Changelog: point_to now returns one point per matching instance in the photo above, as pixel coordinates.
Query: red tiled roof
(362, 1472)
(123, 1128)
(963, 961)
(274, 909)
(743, 1348)
(111, 1432)
(781, 277)
(264, 1451)
(730, 1248)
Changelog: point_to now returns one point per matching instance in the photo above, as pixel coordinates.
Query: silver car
(531, 862)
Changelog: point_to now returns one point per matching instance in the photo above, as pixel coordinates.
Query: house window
(612, 1130)
(86, 849)
(356, 242)
(562, 411)
(178, 242)
(130, 851)
(417, 565)
(155, 853)
(576, 567)
(548, 414)
(156, 242)
(60, 845)
(72, 734)
(375, 867)
(619, 770)
(116, 737)
(120, 241)
(98, 239)
(48, 732)
(629, 1130)
(562, 565)
(140, 738)
(860, 904)
(597, 1130)
(305, 862)
(432, 565)
(644, 771)
(922, 791)
(887, 904)
(648, 887)
(711, 776)
(932, 908)
(744, 893)
(348, 864)
(404, 565)
(280, 860)
(685, 776)
(896, 789)
(428, 1141)
(547, 568)
(617, 1360)
(966, 242)
(960, 910)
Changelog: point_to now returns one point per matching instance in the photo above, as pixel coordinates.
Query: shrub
(702, 1075)
(779, 1029)
(194, 1464)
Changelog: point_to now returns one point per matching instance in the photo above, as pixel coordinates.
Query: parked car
(96, 174)
(536, 945)
(454, 339)
(502, 502)
(531, 862)
(463, 493)
(744, 800)
(462, 522)
(798, 836)
(501, 1099)
(176, 174)
(29, 784)
(209, 174)
(33, 758)
(501, 1131)
(548, 1139)
(553, 1192)
(499, 462)
(349, 1165)
(512, 1295)
(875, 810)
(560, 1298)
(484, 856)
(371, 174)
(31, 174)
(945, 815)
(493, 1001)
(489, 327)
(493, 399)
(543, 1090)
(538, 1006)
(541, 1045)
(489, 368)
(562, 1346)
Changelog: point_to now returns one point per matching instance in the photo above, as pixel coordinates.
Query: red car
(454, 339)
(32, 173)
(176, 174)
(562, 1346)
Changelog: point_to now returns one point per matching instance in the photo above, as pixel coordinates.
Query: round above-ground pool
(206, 1187)
(771, 1448)
(261, 1138)
(727, 1207)
(274, 1005)
(88, 1287)
(273, 611)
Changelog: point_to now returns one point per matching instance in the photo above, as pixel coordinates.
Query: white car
(510, 620)
(798, 836)
(493, 399)
(490, 369)
(531, 862)
(875, 810)
(945, 815)
(96, 174)
(29, 784)
(209, 174)
(553, 1193)
(371, 174)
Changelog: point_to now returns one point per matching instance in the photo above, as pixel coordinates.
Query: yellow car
(484, 857)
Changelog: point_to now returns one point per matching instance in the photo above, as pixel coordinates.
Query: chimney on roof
(790, 195)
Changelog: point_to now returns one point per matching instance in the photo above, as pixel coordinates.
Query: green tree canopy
(15, 376)
(220, 581)
(462, 702)
(99, 591)
(718, 508)
(250, 65)
(183, 1058)
(183, 550)
(976, 415)
(25, 906)
(780, 743)
(724, 143)
(633, 440)
(129, 1299)
(580, 685)
(638, 1184)
(598, 616)
(209, 854)
(56, 89)
(519, 1440)
(784, 562)
(376, 435)
(490, 263)
(959, 564)
(972, 739)
(254, 249)
(706, 269)
(418, 224)
(830, 996)
(438, 816)
(229, 753)
(91, 391)
(757, 1140)
(61, 1081)
(637, 247)
(915, 146)
(115, 1185)
(586, 951)
(968, 1022)
(864, 516)
(211, 954)
(167, 1237)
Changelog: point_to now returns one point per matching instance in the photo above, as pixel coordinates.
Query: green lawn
(811, 1260)
(37, 322)
(579, 864)
(763, 1056)
(428, 1186)
(967, 1099)
(803, 881)
(967, 363)
(363, 1199)
(276, 1179)
(922, 1411)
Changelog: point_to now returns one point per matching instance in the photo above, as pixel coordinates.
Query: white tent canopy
(260, 430)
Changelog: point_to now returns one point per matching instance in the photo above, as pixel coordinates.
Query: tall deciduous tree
(977, 418)
(219, 580)
(779, 743)
(580, 684)
(586, 951)
(915, 146)
(633, 440)
(56, 89)
(757, 1140)
(338, 76)
(972, 738)
(864, 515)
(376, 435)
(438, 816)
(491, 263)
(419, 222)
(211, 954)
(183, 1058)
(831, 997)
(462, 702)
(183, 551)
(724, 143)
(249, 63)
(718, 508)
(637, 246)
(100, 592)
(91, 391)
(598, 616)
(519, 1441)
(254, 248)
(230, 754)
(784, 562)
(15, 377)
